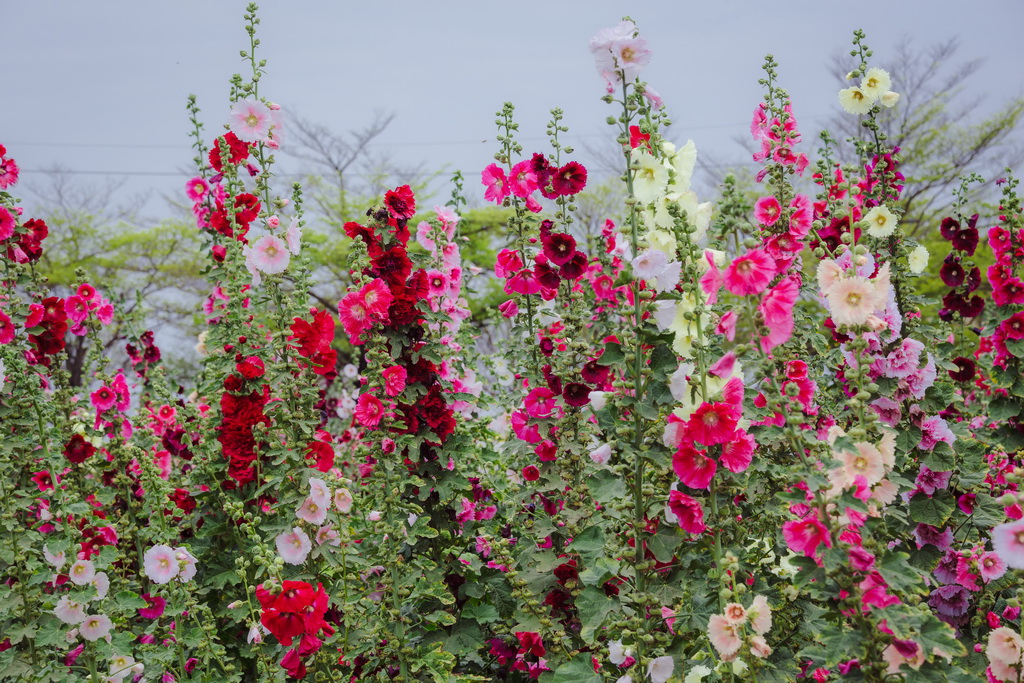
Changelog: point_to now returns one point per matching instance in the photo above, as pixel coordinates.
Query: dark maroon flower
(973, 279)
(576, 394)
(540, 165)
(547, 347)
(594, 372)
(573, 269)
(965, 369)
(546, 276)
(949, 227)
(78, 450)
(570, 179)
(559, 248)
(553, 380)
(952, 273)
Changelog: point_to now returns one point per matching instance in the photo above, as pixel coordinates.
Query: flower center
(252, 120)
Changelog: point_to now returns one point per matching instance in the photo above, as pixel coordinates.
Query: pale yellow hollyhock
(881, 221)
(917, 261)
(683, 161)
(663, 241)
(889, 99)
(855, 101)
(651, 178)
(875, 83)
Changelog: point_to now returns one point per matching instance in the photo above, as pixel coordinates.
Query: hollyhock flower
(1005, 652)
(767, 211)
(991, 566)
(55, 560)
(311, 511)
(713, 423)
(760, 615)
(724, 635)
(498, 187)
(155, 606)
(293, 237)
(269, 254)
(343, 500)
(693, 467)
(81, 572)
(929, 481)
(160, 564)
(601, 454)
(401, 202)
(687, 512)
(875, 82)
(777, 311)
(651, 178)
(750, 273)
(660, 669)
(559, 247)
(197, 189)
(394, 380)
(1008, 543)
(522, 179)
(852, 300)
(250, 120)
(7, 224)
(933, 430)
(238, 151)
(952, 600)
(804, 536)
(103, 399)
(855, 101)
(737, 454)
(78, 450)
(570, 179)
(926, 534)
(368, 411)
(8, 172)
(509, 309)
(95, 627)
(881, 222)
(69, 611)
(294, 546)
(917, 261)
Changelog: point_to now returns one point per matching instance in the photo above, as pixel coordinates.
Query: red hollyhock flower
(576, 394)
(965, 371)
(251, 368)
(952, 273)
(293, 665)
(6, 329)
(401, 202)
(238, 152)
(155, 606)
(637, 138)
(78, 450)
(570, 179)
(321, 451)
(393, 266)
(546, 276)
(530, 643)
(284, 626)
(543, 169)
(595, 373)
(368, 411)
(247, 208)
(531, 473)
(182, 500)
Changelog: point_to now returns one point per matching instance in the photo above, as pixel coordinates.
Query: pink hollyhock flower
(368, 411)
(7, 224)
(539, 402)
(187, 564)
(8, 173)
(312, 512)
(81, 572)
(69, 611)
(713, 423)
(155, 606)
(522, 179)
(508, 263)
(750, 273)
(293, 237)
(95, 627)
(250, 120)
(294, 546)
(933, 430)
(269, 254)
(737, 454)
(394, 380)
(509, 309)
(888, 410)
(437, 284)
(777, 310)
(760, 615)
(103, 399)
(693, 467)
(727, 325)
(767, 211)
(804, 536)
(343, 500)
(991, 567)
(1008, 543)
(711, 281)
(497, 184)
(687, 512)
(523, 282)
(196, 189)
(160, 564)
(724, 635)
(1005, 651)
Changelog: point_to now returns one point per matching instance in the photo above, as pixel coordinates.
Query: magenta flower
(693, 467)
(687, 512)
(369, 410)
(750, 273)
(497, 184)
(767, 211)
(806, 535)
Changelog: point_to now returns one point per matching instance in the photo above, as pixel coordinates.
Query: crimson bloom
(570, 179)
(688, 511)
(750, 273)
(401, 202)
(713, 423)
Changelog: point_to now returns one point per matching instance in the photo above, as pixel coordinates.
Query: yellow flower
(918, 259)
(875, 82)
(651, 177)
(889, 98)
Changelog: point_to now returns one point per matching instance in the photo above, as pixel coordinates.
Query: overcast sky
(102, 86)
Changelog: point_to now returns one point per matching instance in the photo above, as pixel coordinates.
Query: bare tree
(936, 127)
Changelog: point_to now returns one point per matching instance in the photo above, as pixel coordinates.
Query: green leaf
(589, 544)
(594, 607)
(481, 612)
(664, 543)
(934, 510)
(941, 459)
(907, 440)
(663, 361)
(612, 355)
(129, 601)
(579, 670)
(606, 486)
(987, 512)
(898, 573)
(1003, 407)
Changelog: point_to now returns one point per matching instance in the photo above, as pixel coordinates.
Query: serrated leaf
(593, 606)
(1003, 407)
(130, 601)
(934, 510)
(908, 439)
(589, 544)
(481, 612)
(578, 670)
(606, 486)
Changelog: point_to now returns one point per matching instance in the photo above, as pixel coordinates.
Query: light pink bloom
(319, 492)
(312, 512)
(991, 567)
(293, 237)
(759, 647)
(160, 564)
(268, 255)
(343, 501)
(101, 582)
(760, 615)
(95, 627)
(649, 264)
(294, 546)
(852, 300)
(54, 560)
(1004, 651)
(1008, 543)
(724, 635)
(69, 611)
(601, 454)
(250, 120)
(328, 535)
(660, 669)
(735, 613)
(81, 572)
